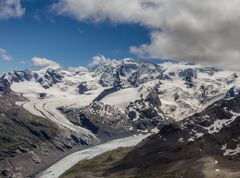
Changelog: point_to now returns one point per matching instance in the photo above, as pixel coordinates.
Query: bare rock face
(42, 95)
(4, 89)
(153, 99)
(106, 92)
(169, 129)
(83, 88)
(188, 75)
(233, 92)
(4, 86)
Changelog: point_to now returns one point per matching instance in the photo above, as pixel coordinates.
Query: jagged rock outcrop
(232, 92)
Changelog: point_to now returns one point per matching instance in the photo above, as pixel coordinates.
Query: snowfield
(66, 163)
(122, 97)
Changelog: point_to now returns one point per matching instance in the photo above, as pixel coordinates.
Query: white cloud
(11, 9)
(204, 31)
(77, 69)
(98, 61)
(44, 62)
(4, 55)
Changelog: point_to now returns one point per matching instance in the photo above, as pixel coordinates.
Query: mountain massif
(192, 111)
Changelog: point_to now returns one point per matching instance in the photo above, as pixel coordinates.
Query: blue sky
(72, 32)
(40, 32)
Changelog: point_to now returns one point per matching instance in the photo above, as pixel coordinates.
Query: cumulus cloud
(98, 61)
(77, 69)
(43, 62)
(11, 9)
(4, 55)
(191, 30)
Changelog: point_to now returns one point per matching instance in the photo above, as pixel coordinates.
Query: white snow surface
(66, 163)
(122, 97)
(231, 152)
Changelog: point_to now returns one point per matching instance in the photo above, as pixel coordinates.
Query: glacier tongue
(63, 165)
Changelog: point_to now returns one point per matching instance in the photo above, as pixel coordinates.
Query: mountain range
(192, 112)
